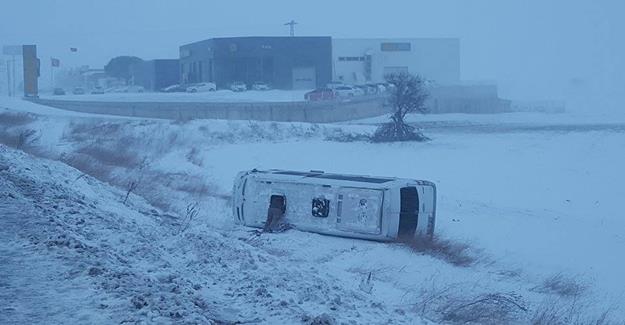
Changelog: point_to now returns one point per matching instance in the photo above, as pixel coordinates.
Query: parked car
(126, 89)
(174, 89)
(201, 87)
(97, 91)
(320, 94)
(78, 91)
(260, 86)
(364, 90)
(372, 89)
(238, 86)
(381, 88)
(348, 91)
(134, 89)
(334, 84)
(58, 91)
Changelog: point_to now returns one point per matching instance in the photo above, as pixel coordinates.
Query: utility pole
(292, 24)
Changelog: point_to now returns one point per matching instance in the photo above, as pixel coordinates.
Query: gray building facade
(154, 75)
(282, 62)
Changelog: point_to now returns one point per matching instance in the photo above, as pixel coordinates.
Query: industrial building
(154, 75)
(359, 61)
(313, 62)
(282, 62)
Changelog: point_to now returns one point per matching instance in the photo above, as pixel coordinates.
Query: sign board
(395, 47)
(31, 71)
(12, 49)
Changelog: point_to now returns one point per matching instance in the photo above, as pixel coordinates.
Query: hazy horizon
(532, 49)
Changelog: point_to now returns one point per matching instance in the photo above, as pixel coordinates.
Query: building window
(396, 47)
(351, 58)
(185, 53)
(320, 207)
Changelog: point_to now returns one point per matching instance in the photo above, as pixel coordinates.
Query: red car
(320, 94)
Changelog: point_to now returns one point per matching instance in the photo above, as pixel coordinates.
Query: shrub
(455, 253)
(391, 132)
(120, 156)
(10, 119)
(88, 165)
(20, 138)
(342, 136)
(447, 304)
(492, 308)
(560, 285)
(572, 313)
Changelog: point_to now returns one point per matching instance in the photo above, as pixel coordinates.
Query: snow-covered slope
(539, 206)
(72, 251)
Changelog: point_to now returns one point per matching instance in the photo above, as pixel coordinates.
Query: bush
(574, 313)
(10, 119)
(492, 308)
(560, 285)
(20, 138)
(447, 304)
(120, 155)
(458, 254)
(342, 136)
(88, 165)
(392, 132)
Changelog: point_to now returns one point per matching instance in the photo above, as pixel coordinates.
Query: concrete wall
(470, 99)
(311, 112)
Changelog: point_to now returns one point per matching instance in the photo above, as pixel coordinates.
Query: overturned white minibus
(376, 208)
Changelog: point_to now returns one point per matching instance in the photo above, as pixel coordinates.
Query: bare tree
(407, 95)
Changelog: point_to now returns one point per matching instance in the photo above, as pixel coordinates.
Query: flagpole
(51, 75)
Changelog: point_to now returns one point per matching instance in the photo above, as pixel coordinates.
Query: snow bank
(535, 203)
(225, 96)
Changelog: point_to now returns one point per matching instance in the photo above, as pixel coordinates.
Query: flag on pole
(73, 49)
(55, 62)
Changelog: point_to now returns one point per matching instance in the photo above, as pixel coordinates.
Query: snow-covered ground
(225, 96)
(535, 204)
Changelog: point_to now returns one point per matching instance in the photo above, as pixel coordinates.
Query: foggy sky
(532, 48)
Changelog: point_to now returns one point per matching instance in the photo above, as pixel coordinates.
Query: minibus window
(320, 207)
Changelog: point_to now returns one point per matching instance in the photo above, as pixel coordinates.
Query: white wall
(435, 59)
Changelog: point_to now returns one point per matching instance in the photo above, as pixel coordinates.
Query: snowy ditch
(170, 263)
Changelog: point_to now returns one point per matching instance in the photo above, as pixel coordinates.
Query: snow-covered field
(225, 96)
(539, 207)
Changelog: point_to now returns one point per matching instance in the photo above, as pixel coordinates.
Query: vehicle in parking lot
(335, 84)
(238, 86)
(381, 88)
(201, 87)
(320, 94)
(364, 90)
(78, 91)
(126, 89)
(134, 89)
(348, 91)
(260, 86)
(97, 90)
(371, 89)
(58, 91)
(174, 89)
